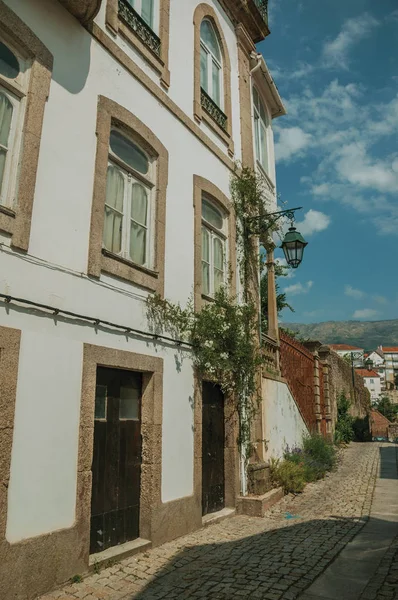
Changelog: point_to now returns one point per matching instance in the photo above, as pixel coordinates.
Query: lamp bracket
(258, 224)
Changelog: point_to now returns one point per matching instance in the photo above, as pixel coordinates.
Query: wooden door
(212, 448)
(116, 468)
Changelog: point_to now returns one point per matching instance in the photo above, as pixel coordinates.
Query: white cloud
(349, 140)
(313, 221)
(380, 299)
(335, 52)
(298, 288)
(291, 142)
(365, 313)
(352, 292)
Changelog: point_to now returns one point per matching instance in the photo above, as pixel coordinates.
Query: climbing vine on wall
(224, 333)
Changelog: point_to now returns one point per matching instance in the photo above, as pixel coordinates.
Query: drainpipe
(258, 57)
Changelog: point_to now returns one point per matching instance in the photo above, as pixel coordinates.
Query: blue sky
(336, 66)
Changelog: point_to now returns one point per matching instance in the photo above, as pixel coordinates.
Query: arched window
(127, 224)
(11, 106)
(210, 62)
(260, 130)
(213, 247)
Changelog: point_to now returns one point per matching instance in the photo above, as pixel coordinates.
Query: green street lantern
(369, 364)
(293, 247)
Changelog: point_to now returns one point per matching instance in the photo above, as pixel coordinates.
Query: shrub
(316, 457)
(344, 432)
(289, 475)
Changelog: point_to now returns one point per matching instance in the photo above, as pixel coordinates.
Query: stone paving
(273, 558)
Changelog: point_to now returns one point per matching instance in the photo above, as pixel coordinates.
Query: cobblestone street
(277, 557)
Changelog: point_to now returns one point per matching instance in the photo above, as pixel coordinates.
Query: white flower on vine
(224, 355)
(208, 344)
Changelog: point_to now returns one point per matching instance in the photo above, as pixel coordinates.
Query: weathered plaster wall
(340, 380)
(283, 423)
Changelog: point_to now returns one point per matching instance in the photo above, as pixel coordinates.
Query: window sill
(7, 211)
(130, 263)
(7, 220)
(207, 298)
(125, 269)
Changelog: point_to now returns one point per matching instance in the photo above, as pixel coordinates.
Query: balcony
(213, 110)
(262, 6)
(135, 22)
(83, 10)
(252, 14)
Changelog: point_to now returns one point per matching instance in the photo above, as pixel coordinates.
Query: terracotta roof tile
(367, 373)
(344, 347)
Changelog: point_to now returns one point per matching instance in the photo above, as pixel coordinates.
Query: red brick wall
(379, 424)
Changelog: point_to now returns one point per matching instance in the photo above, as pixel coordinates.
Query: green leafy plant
(344, 432)
(224, 348)
(386, 408)
(224, 333)
(316, 457)
(289, 475)
(76, 579)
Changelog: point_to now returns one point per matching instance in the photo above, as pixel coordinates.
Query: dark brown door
(212, 448)
(115, 500)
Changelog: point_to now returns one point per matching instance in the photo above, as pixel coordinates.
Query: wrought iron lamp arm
(265, 226)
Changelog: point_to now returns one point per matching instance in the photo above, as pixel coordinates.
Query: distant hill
(364, 334)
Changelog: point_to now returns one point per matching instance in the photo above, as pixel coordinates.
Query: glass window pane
(205, 245)
(128, 152)
(257, 136)
(208, 36)
(256, 99)
(139, 204)
(100, 402)
(147, 12)
(264, 153)
(205, 279)
(114, 188)
(112, 231)
(212, 215)
(218, 279)
(138, 243)
(9, 65)
(129, 407)
(6, 110)
(218, 249)
(216, 93)
(263, 112)
(3, 155)
(204, 76)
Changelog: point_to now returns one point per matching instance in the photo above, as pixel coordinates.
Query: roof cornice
(247, 13)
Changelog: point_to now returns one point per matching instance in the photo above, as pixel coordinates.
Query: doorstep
(256, 506)
(118, 552)
(218, 516)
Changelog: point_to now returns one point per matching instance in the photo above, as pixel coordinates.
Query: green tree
(281, 301)
(386, 408)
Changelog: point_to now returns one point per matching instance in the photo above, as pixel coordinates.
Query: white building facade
(372, 382)
(119, 131)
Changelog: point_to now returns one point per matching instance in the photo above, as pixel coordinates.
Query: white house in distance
(345, 351)
(372, 382)
(390, 354)
(119, 131)
(377, 359)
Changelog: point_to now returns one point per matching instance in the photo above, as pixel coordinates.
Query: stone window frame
(110, 114)
(203, 186)
(17, 221)
(159, 63)
(205, 11)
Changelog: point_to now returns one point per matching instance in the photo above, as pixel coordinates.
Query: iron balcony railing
(138, 25)
(213, 110)
(262, 6)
